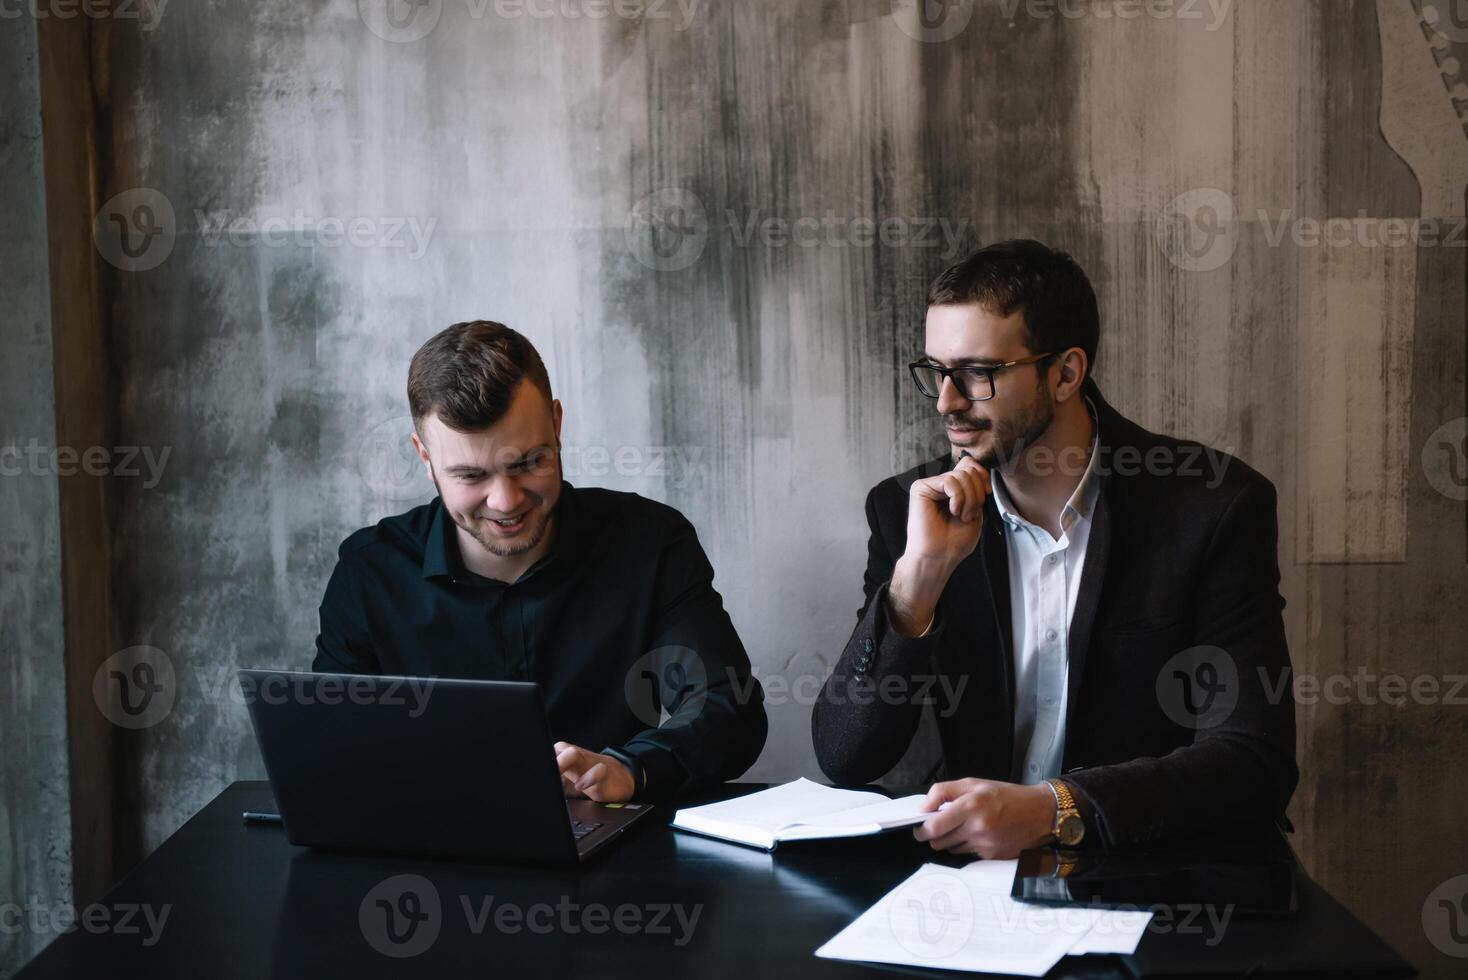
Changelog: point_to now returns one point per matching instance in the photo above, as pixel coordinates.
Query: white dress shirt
(1044, 577)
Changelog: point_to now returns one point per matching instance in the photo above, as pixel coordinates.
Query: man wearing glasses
(1106, 607)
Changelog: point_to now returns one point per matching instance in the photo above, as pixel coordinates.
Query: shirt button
(1051, 634)
(1034, 768)
(1048, 702)
(1053, 559)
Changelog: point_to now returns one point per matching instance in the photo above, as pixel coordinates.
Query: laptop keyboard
(580, 830)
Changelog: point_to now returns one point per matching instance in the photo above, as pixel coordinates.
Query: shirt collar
(1082, 502)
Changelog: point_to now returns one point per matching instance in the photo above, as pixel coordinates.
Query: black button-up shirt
(619, 621)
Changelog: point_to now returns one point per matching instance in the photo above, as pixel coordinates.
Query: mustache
(964, 422)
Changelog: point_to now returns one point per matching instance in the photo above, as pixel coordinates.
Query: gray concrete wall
(35, 819)
(603, 185)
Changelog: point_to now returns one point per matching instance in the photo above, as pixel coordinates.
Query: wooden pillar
(72, 82)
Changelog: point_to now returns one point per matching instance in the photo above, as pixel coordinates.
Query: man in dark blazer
(1103, 600)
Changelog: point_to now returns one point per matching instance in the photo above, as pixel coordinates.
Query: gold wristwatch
(1069, 827)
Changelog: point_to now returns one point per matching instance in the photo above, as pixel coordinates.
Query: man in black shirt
(605, 599)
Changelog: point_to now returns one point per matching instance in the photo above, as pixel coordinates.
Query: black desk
(247, 904)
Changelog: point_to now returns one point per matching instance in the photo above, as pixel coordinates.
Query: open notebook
(801, 810)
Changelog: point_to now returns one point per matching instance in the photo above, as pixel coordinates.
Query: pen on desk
(261, 816)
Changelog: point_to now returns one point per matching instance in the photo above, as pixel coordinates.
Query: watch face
(1070, 829)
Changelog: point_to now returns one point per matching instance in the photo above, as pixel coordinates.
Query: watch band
(1063, 798)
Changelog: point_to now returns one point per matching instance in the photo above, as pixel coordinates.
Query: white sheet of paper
(1115, 931)
(962, 920)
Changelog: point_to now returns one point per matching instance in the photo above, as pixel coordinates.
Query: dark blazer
(1180, 558)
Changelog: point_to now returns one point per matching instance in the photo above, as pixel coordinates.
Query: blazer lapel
(1088, 600)
(993, 561)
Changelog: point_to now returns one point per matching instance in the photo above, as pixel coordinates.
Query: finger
(939, 824)
(973, 495)
(966, 835)
(568, 759)
(593, 776)
(944, 792)
(953, 487)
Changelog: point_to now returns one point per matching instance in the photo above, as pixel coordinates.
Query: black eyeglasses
(974, 382)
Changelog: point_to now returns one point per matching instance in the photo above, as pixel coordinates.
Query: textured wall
(717, 222)
(35, 828)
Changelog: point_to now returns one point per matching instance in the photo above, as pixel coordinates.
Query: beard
(1011, 435)
(525, 541)
(538, 521)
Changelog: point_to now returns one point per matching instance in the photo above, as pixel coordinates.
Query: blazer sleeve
(1240, 765)
(862, 722)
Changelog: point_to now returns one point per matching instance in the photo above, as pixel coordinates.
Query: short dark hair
(468, 373)
(1046, 285)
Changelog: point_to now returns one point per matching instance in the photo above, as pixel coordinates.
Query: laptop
(422, 766)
